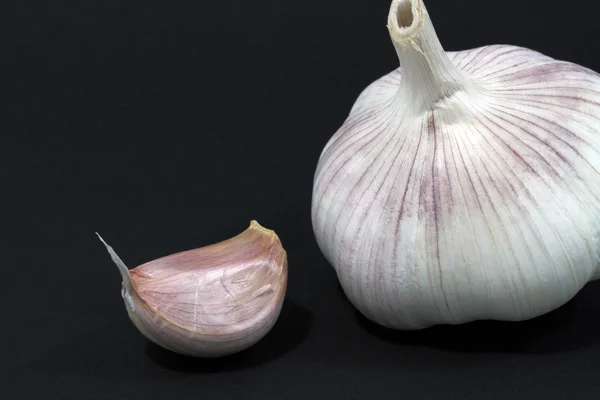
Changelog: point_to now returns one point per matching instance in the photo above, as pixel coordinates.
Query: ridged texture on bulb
(212, 301)
(480, 200)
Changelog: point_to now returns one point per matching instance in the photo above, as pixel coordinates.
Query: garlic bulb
(463, 185)
(212, 301)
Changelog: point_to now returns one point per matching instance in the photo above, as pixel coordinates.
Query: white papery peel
(463, 185)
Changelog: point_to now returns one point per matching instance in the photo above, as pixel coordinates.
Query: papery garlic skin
(212, 301)
(463, 185)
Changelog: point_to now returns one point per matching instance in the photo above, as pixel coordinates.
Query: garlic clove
(462, 185)
(211, 301)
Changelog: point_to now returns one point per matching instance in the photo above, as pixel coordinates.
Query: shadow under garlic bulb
(211, 301)
(462, 185)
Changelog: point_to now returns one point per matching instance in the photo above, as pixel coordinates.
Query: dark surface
(169, 125)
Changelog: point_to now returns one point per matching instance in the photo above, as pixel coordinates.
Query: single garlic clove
(463, 185)
(211, 301)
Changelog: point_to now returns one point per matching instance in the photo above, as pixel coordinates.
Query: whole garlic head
(212, 301)
(463, 185)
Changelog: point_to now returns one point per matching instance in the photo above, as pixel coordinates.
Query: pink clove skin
(212, 301)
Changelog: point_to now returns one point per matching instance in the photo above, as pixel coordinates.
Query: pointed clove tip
(104, 243)
(117, 260)
(255, 225)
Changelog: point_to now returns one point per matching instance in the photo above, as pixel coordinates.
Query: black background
(169, 125)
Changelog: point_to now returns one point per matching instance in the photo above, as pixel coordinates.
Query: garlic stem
(428, 75)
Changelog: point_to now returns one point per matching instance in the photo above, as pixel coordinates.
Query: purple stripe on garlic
(463, 185)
